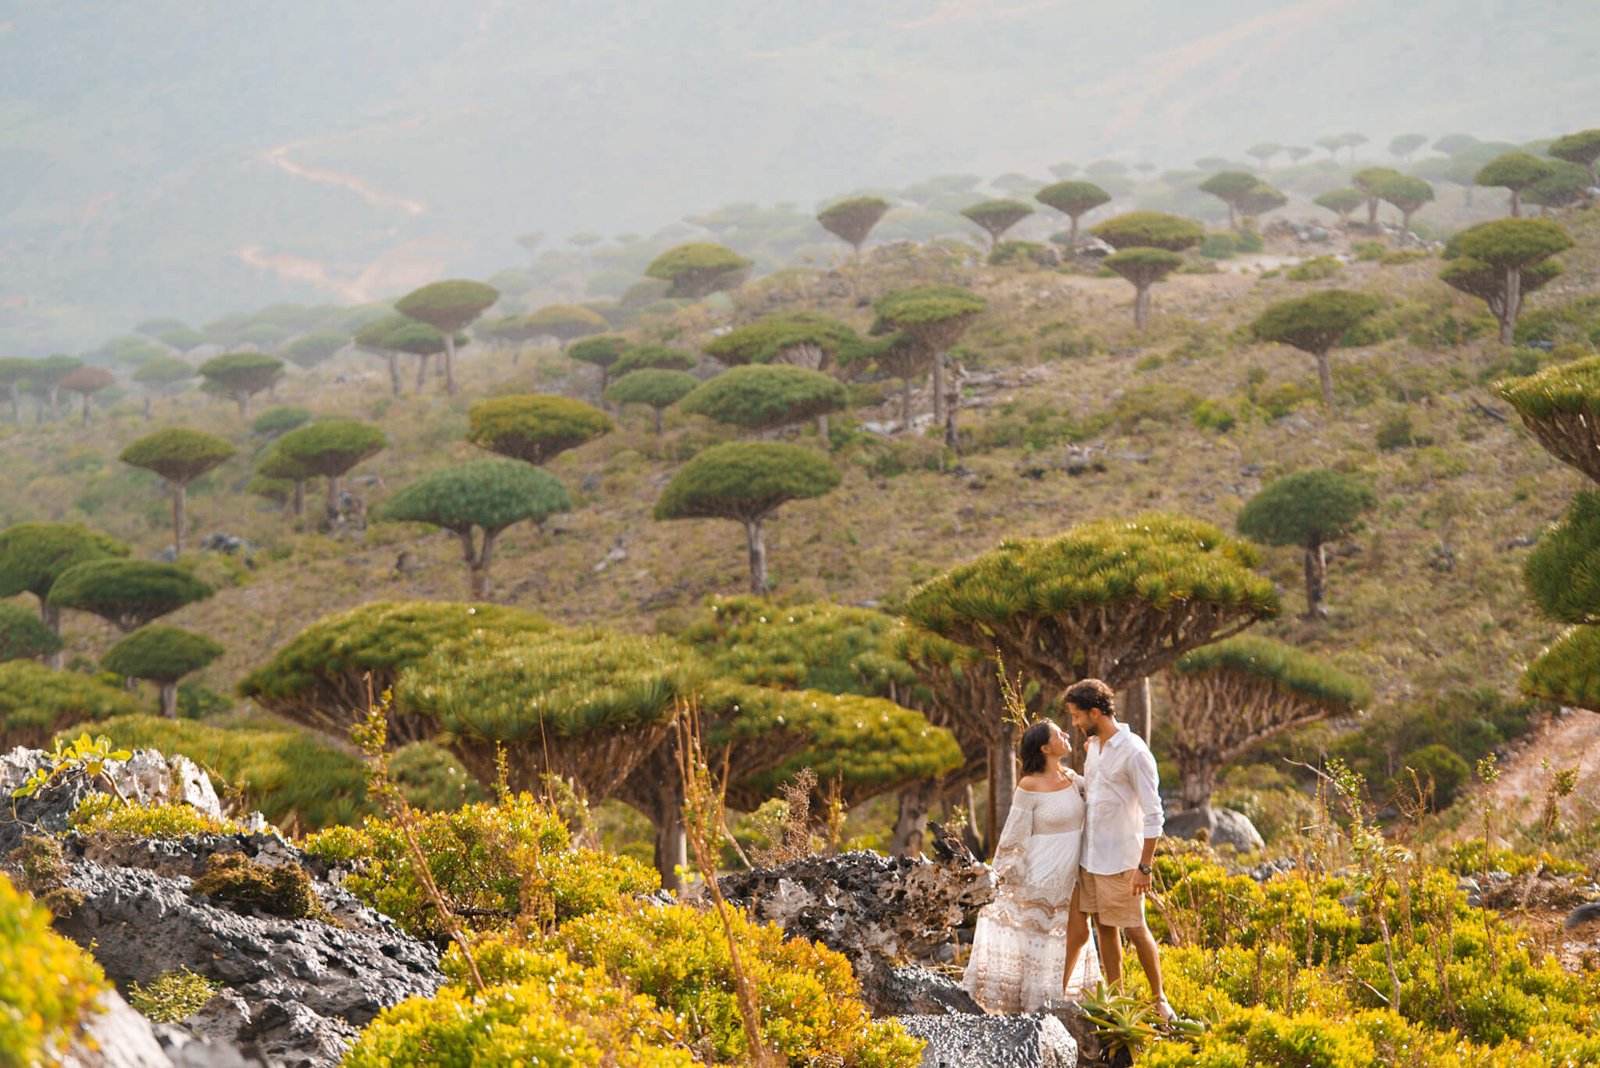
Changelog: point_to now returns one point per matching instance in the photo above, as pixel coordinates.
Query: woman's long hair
(1031, 748)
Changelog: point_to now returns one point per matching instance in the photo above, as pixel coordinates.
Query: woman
(1020, 949)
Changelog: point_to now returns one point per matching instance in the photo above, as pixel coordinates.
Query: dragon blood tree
(534, 427)
(180, 456)
(161, 655)
(1560, 406)
(477, 502)
(766, 397)
(936, 317)
(1110, 599)
(586, 705)
(1231, 696)
(448, 306)
(320, 678)
(33, 556)
(127, 593)
(851, 221)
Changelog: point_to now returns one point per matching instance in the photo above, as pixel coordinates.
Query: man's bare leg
(1110, 953)
(1144, 944)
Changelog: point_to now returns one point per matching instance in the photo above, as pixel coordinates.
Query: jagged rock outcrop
(295, 991)
(880, 912)
(1037, 1040)
(1223, 827)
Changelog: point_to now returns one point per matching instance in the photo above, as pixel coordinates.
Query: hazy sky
(190, 156)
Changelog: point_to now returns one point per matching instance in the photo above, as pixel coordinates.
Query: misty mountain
(184, 157)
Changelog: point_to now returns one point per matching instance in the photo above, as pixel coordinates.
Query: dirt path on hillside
(1569, 740)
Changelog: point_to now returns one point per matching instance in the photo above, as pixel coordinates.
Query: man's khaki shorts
(1110, 898)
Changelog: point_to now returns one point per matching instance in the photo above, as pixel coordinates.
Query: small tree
(1367, 180)
(1515, 249)
(313, 349)
(898, 355)
(419, 340)
(276, 422)
(1263, 151)
(1074, 200)
(936, 317)
(1341, 202)
(34, 555)
(1515, 172)
(1111, 599)
(1314, 324)
(448, 307)
(483, 495)
(600, 351)
(995, 217)
(127, 593)
(1228, 187)
(329, 450)
(86, 382)
(534, 427)
(320, 678)
(803, 339)
(564, 322)
(180, 456)
(239, 376)
(851, 221)
(651, 358)
(13, 371)
(1260, 199)
(374, 337)
(162, 376)
(698, 270)
(657, 389)
(1143, 267)
(1405, 145)
(1308, 509)
(161, 655)
(1567, 185)
(1150, 229)
(746, 482)
(1560, 405)
(1407, 195)
(765, 397)
(277, 470)
(586, 705)
(48, 373)
(23, 636)
(1582, 148)
(1229, 697)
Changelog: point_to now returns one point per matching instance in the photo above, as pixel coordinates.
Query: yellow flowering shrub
(47, 984)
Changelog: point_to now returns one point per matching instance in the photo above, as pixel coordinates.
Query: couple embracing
(1074, 849)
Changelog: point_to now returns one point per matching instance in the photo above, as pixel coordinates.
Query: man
(1124, 823)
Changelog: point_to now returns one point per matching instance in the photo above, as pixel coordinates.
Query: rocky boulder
(878, 911)
(1223, 827)
(1037, 1040)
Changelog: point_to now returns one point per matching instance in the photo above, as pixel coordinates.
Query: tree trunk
(822, 430)
(905, 405)
(1316, 581)
(938, 390)
(244, 406)
(1325, 376)
(86, 398)
(1141, 306)
(660, 412)
(1508, 324)
(1372, 215)
(671, 846)
(169, 699)
(916, 801)
(16, 403)
(1137, 710)
(1072, 236)
(1405, 228)
(1516, 203)
(393, 360)
(1233, 217)
(298, 505)
(51, 615)
(758, 556)
(1002, 784)
(180, 517)
(1197, 780)
(330, 507)
(422, 371)
(149, 406)
(450, 385)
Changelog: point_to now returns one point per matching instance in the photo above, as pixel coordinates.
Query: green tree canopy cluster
(239, 376)
(1499, 262)
(162, 655)
(448, 306)
(1308, 509)
(534, 427)
(765, 397)
(1147, 244)
(36, 702)
(697, 270)
(127, 593)
(654, 388)
(1314, 324)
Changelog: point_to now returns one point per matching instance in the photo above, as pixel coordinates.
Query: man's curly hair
(1092, 693)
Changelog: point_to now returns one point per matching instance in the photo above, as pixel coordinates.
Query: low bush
(284, 890)
(102, 814)
(172, 996)
(1316, 269)
(47, 984)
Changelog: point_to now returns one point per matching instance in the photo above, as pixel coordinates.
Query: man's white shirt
(1123, 802)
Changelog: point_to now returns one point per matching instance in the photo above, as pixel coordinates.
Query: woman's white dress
(1020, 947)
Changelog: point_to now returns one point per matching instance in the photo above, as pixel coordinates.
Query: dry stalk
(704, 828)
(794, 838)
(370, 736)
(1557, 785)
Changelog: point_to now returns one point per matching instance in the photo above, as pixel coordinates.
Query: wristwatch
(1145, 869)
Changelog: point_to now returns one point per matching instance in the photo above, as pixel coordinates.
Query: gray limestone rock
(1224, 826)
(1037, 1040)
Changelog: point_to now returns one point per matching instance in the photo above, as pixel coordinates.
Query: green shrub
(1439, 766)
(497, 861)
(1250, 241)
(103, 814)
(1396, 432)
(36, 703)
(1219, 246)
(1213, 415)
(47, 984)
(1368, 250)
(172, 996)
(1404, 255)
(1024, 252)
(1316, 269)
(284, 890)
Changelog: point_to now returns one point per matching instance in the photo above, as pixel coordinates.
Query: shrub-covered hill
(1069, 414)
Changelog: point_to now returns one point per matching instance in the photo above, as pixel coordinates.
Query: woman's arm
(1011, 850)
